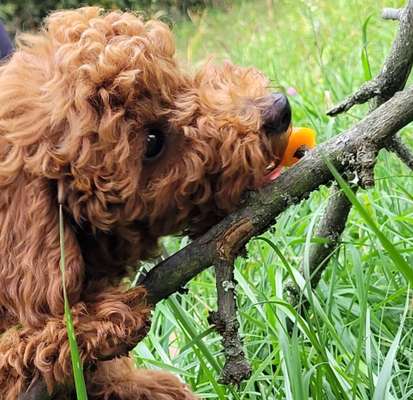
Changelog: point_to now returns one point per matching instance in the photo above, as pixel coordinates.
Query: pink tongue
(273, 175)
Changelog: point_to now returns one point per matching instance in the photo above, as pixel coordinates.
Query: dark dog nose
(277, 114)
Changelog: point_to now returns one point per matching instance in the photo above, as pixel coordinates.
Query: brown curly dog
(95, 108)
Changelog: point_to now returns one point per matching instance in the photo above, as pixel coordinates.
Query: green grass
(356, 340)
(77, 366)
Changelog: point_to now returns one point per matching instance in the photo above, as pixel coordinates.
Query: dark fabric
(5, 43)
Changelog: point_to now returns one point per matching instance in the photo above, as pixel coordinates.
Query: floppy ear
(50, 127)
(30, 253)
(30, 278)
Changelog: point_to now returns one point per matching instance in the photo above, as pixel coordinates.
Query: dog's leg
(119, 379)
(110, 323)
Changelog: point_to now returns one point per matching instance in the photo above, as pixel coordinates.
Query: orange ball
(304, 138)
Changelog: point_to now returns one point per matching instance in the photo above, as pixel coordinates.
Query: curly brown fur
(79, 102)
(120, 379)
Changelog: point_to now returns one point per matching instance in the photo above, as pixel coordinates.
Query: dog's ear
(30, 252)
(70, 131)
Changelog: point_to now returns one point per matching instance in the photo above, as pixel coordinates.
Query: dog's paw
(119, 379)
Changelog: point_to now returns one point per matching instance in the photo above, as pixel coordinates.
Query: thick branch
(396, 145)
(366, 160)
(236, 368)
(330, 228)
(395, 71)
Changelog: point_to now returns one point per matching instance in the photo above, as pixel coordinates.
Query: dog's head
(223, 136)
(99, 105)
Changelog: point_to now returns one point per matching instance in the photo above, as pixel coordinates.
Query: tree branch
(334, 211)
(367, 91)
(330, 228)
(395, 71)
(396, 145)
(236, 368)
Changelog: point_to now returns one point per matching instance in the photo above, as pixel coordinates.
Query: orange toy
(300, 141)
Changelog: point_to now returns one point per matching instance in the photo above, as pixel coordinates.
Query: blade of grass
(291, 364)
(199, 347)
(380, 393)
(364, 53)
(74, 350)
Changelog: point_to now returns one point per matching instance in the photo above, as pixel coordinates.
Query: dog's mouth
(288, 145)
(300, 142)
(272, 171)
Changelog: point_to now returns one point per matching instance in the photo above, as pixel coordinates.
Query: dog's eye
(154, 145)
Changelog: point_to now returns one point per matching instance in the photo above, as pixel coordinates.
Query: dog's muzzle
(276, 115)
